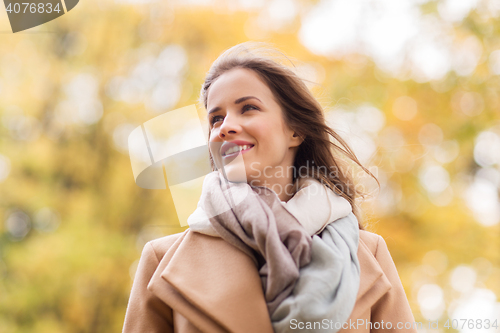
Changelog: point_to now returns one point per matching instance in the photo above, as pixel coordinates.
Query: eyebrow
(239, 100)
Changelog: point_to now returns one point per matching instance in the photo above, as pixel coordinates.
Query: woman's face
(242, 112)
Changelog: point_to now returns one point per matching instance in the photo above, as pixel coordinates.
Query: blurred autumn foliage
(422, 110)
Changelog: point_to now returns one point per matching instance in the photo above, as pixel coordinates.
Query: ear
(297, 139)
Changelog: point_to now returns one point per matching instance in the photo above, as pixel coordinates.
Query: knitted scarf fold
(304, 275)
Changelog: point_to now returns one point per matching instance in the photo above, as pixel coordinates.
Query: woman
(275, 243)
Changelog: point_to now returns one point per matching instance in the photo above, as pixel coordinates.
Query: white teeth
(236, 149)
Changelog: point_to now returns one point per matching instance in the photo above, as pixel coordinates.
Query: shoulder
(371, 240)
(160, 246)
(378, 247)
(392, 306)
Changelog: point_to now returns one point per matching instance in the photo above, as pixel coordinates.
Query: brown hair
(299, 107)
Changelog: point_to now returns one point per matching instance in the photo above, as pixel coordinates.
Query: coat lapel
(213, 284)
(217, 287)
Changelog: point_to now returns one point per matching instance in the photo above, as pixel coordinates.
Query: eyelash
(212, 120)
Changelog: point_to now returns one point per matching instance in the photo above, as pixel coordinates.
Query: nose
(229, 126)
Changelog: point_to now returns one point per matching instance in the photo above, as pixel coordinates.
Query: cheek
(263, 134)
(271, 142)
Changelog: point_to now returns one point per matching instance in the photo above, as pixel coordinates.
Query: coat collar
(217, 287)
(373, 282)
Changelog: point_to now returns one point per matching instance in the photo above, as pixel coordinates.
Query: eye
(214, 118)
(245, 107)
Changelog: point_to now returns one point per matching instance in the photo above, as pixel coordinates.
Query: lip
(229, 144)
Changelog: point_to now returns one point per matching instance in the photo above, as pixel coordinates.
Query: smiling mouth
(234, 151)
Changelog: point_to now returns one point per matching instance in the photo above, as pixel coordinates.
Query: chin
(235, 171)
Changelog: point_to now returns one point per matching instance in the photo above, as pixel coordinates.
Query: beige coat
(191, 282)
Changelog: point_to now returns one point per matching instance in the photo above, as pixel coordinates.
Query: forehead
(236, 83)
